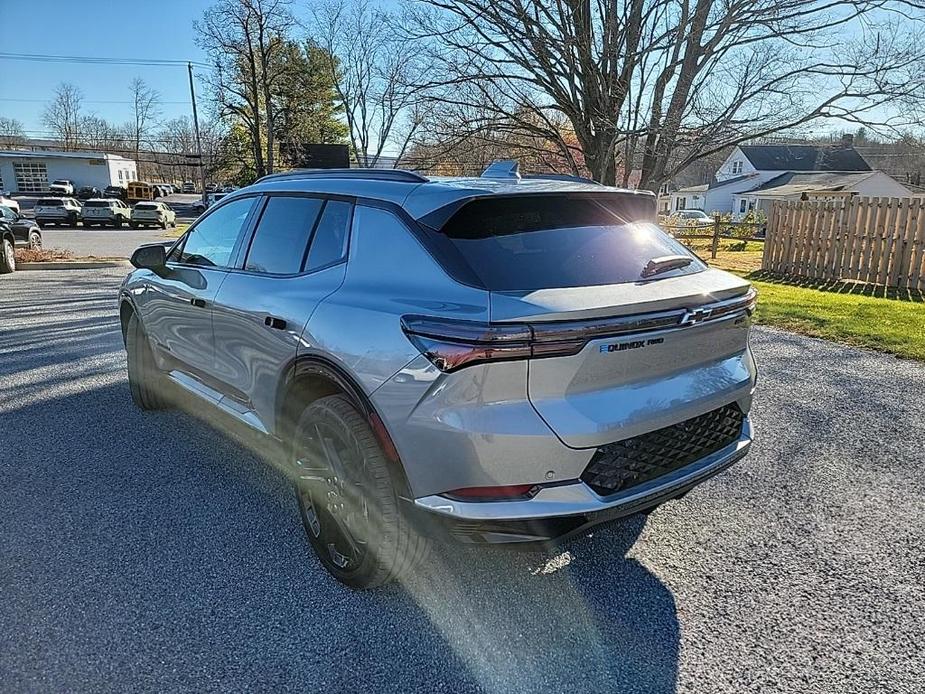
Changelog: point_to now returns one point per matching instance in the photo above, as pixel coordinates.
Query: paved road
(149, 552)
(100, 243)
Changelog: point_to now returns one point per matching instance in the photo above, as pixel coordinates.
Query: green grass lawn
(846, 312)
(176, 232)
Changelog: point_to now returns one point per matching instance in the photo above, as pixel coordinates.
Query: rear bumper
(559, 512)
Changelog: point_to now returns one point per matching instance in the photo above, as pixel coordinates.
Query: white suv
(62, 186)
(50, 211)
(105, 212)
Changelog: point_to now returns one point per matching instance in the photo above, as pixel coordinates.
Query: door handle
(274, 322)
(198, 303)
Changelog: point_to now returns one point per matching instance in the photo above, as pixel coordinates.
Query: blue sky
(161, 29)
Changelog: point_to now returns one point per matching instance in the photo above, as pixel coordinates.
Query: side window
(211, 242)
(282, 235)
(329, 243)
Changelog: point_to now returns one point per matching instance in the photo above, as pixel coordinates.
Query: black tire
(349, 504)
(164, 225)
(144, 380)
(35, 241)
(7, 257)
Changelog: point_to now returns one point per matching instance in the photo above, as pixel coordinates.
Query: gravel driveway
(149, 552)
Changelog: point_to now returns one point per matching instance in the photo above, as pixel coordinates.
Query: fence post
(715, 246)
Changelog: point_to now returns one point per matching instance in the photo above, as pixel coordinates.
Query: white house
(800, 186)
(31, 172)
(749, 168)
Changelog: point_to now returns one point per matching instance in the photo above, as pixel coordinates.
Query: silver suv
(495, 359)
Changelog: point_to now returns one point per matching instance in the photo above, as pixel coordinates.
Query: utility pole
(202, 163)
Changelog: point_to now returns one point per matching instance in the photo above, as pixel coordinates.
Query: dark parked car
(16, 231)
(88, 192)
(115, 193)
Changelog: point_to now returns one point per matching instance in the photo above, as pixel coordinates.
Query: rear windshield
(146, 206)
(541, 242)
(97, 203)
(50, 202)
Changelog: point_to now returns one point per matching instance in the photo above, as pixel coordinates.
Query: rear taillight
(451, 344)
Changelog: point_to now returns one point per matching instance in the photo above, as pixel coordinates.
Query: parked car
(115, 193)
(105, 212)
(88, 192)
(153, 214)
(7, 201)
(492, 359)
(211, 187)
(189, 187)
(229, 189)
(50, 211)
(61, 186)
(691, 218)
(25, 231)
(7, 248)
(212, 198)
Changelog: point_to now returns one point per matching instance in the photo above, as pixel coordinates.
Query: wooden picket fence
(875, 240)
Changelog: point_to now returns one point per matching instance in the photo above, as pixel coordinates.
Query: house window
(120, 175)
(681, 204)
(742, 205)
(31, 177)
(737, 166)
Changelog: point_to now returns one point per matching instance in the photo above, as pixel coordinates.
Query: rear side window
(282, 235)
(329, 243)
(540, 242)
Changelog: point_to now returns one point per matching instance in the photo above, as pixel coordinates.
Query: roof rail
(505, 168)
(562, 177)
(398, 175)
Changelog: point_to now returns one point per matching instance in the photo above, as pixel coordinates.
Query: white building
(31, 172)
(818, 186)
(753, 168)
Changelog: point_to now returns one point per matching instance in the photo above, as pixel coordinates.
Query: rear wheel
(349, 505)
(7, 257)
(145, 381)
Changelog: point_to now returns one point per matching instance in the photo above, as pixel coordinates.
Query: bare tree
(62, 115)
(97, 133)
(245, 39)
(655, 84)
(145, 112)
(379, 77)
(11, 132)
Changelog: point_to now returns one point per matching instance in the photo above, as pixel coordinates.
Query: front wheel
(349, 504)
(35, 241)
(7, 257)
(145, 381)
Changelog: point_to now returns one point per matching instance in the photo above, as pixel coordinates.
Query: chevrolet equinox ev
(501, 359)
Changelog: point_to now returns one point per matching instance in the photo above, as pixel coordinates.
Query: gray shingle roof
(804, 158)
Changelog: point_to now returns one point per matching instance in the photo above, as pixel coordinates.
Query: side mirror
(153, 257)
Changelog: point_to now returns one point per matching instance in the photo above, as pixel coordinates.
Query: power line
(99, 60)
(88, 101)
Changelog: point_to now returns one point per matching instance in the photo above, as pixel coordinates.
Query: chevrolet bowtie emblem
(695, 315)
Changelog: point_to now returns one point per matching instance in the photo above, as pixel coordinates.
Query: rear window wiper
(665, 263)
